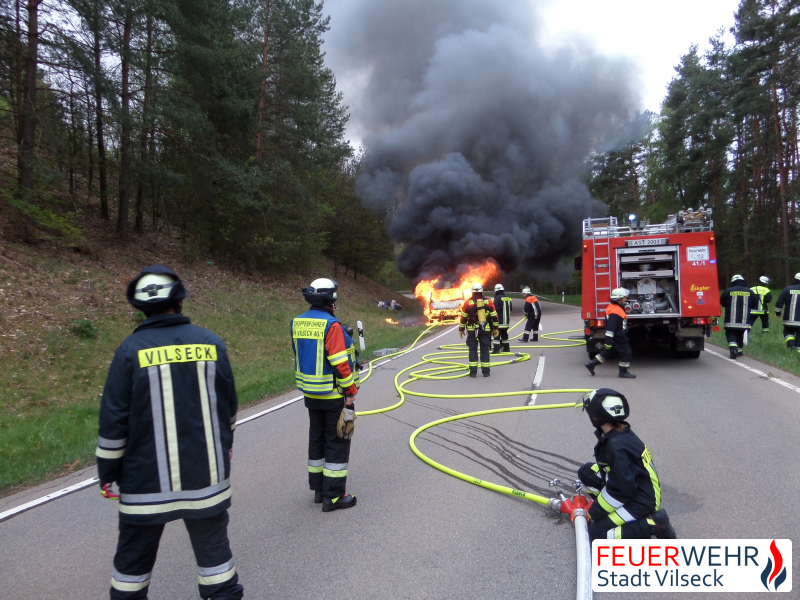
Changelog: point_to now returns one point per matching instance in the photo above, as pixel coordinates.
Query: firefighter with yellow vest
(503, 307)
(616, 338)
(325, 371)
(479, 318)
(764, 298)
(789, 303)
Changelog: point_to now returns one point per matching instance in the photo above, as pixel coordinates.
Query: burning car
(443, 296)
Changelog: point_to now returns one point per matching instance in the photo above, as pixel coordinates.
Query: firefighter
(166, 438)
(623, 479)
(616, 338)
(534, 314)
(762, 310)
(324, 359)
(503, 307)
(737, 300)
(479, 319)
(790, 298)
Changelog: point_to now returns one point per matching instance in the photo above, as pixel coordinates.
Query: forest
(220, 119)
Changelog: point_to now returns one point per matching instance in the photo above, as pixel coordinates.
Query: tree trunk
(90, 150)
(784, 201)
(98, 96)
(262, 101)
(125, 122)
(29, 118)
(148, 84)
(19, 76)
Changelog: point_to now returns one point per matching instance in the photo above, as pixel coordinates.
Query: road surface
(724, 440)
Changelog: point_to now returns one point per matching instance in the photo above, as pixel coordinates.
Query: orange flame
(391, 322)
(442, 300)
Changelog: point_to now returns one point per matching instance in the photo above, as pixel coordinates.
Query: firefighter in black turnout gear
(325, 371)
(738, 301)
(479, 318)
(166, 436)
(623, 479)
(789, 304)
(533, 312)
(503, 308)
(616, 337)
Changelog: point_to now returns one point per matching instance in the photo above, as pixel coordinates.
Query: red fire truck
(670, 270)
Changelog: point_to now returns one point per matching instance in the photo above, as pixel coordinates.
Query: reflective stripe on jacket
(616, 323)
(764, 298)
(503, 307)
(532, 307)
(478, 313)
(324, 356)
(790, 299)
(738, 300)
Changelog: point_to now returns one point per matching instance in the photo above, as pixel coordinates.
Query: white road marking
(537, 381)
(785, 384)
(88, 482)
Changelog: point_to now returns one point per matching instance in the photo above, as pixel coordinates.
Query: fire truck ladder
(602, 263)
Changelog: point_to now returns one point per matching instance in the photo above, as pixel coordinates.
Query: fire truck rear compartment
(651, 277)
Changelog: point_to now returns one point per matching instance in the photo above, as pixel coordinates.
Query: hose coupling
(513, 360)
(579, 512)
(554, 505)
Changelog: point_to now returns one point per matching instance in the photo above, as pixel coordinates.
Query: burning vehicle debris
(443, 295)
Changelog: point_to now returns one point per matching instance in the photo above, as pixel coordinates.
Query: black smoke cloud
(476, 131)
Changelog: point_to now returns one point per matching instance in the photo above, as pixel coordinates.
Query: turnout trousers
(764, 321)
(735, 338)
(621, 348)
(501, 341)
(137, 548)
(531, 328)
(483, 339)
(790, 336)
(635, 525)
(328, 454)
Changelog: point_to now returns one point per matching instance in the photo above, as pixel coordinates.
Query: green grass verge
(767, 347)
(51, 387)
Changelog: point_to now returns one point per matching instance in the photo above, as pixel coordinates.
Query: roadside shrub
(84, 329)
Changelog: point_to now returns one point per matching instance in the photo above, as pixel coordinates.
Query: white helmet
(765, 280)
(321, 291)
(797, 276)
(736, 278)
(526, 290)
(154, 288)
(619, 293)
(477, 287)
(499, 288)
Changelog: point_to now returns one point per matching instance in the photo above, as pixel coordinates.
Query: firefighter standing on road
(764, 298)
(534, 313)
(324, 358)
(790, 299)
(503, 307)
(166, 437)
(480, 320)
(737, 300)
(616, 338)
(623, 478)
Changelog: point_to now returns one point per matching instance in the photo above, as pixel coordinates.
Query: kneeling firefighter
(623, 478)
(503, 307)
(616, 338)
(737, 300)
(534, 314)
(324, 360)
(480, 320)
(790, 298)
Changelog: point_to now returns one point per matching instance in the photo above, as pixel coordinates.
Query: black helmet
(321, 292)
(606, 406)
(155, 289)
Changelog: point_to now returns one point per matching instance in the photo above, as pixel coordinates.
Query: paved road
(724, 440)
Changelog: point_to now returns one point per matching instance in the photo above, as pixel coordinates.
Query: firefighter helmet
(526, 291)
(738, 278)
(797, 276)
(619, 294)
(477, 288)
(499, 288)
(606, 406)
(764, 279)
(321, 291)
(155, 289)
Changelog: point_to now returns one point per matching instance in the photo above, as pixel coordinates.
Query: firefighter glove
(105, 489)
(347, 423)
(461, 332)
(495, 332)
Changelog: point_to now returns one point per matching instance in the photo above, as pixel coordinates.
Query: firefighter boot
(506, 346)
(625, 374)
(318, 497)
(591, 365)
(486, 372)
(663, 529)
(734, 353)
(534, 337)
(341, 502)
(496, 348)
(525, 338)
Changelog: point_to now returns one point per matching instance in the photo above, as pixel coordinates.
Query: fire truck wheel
(691, 354)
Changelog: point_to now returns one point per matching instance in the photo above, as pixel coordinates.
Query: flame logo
(774, 572)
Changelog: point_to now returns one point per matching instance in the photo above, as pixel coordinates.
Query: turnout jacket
(478, 313)
(738, 301)
(532, 308)
(616, 324)
(503, 307)
(790, 298)
(166, 423)
(764, 298)
(632, 489)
